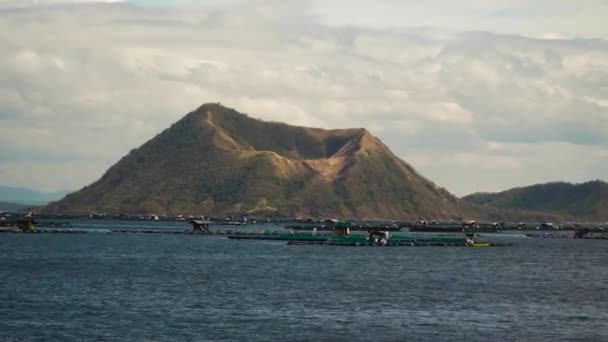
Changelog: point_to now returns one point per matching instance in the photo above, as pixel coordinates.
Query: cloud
(81, 85)
(546, 19)
(511, 164)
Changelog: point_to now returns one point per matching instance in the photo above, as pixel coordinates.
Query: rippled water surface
(148, 287)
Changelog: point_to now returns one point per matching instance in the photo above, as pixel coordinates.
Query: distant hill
(586, 201)
(13, 207)
(28, 196)
(217, 161)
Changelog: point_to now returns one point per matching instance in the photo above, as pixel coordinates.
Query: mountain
(28, 196)
(586, 201)
(218, 161)
(13, 207)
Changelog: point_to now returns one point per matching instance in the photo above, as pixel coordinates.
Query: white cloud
(82, 85)
(544, 19)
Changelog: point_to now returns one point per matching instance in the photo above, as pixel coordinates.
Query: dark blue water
(113, 287)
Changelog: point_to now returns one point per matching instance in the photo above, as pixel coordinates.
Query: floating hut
(200, 226)
(341, 228)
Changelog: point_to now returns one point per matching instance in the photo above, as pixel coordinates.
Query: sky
(478, 95)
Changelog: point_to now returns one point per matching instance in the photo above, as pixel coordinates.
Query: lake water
(142, 287)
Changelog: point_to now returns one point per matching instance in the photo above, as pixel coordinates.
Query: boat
(23, 224)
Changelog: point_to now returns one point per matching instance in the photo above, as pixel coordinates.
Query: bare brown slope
(218, 161)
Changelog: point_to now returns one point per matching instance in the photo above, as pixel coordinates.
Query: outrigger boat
(480, 244)
(23, 224)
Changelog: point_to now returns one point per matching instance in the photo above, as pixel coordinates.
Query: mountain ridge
(578, 201)
(21, 195)
(13, 207)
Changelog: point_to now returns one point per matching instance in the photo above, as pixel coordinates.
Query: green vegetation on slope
(586, 201)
